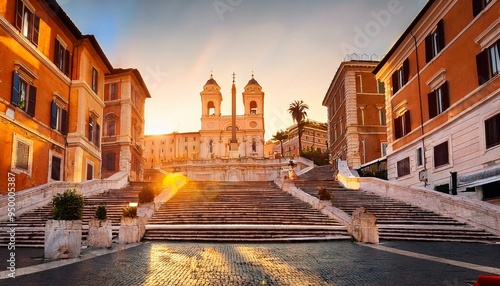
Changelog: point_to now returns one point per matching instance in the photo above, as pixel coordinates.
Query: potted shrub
(63, 234)
(129, 225)
(100, 235)
(324, 195)
(146, 202)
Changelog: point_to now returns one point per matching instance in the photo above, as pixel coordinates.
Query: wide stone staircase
(397, 220)
(239, 211)
(30, 226)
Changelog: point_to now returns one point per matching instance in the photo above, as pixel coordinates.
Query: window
(23, 94)
(383, 149)
(380, 86)
(95, 79)
(403, 167)
(211, 108)
(253, 107)
(27, 22)
(478, 6)
(211, 146)
(110, 161)
(58, 118)
(438, 100)
(492, 131)
(94, 131)
(254, 145)
(61, 57)
(111, 90)
(90, 171)
(22, 156)
(434, 42)
(111, 128)
(400, 77)
(488, 63)
(418, 157)
(55, 168)
(382, 117)
(402, 125)
(441, 154)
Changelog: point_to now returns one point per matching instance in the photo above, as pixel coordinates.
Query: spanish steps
(239, 211)
(258, 211)
(395, 220)
(30, 226)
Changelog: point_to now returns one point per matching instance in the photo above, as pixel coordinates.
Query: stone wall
(473, 212)
(30, 199)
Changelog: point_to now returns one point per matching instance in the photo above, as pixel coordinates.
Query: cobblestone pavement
(318, 263)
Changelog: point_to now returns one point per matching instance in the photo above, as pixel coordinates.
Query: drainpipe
(421, 110)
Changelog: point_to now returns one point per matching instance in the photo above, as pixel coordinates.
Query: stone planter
(63, 239)
(364, 226)
(146, 210)
(129, 230)
(100, 233)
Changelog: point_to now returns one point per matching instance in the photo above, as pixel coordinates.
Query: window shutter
(477, 7)
(19, 14)
(97, 134)
(446, 96)
(36, 30)
(56, 53)
(432, 104)
(15, 89)
(428, 48)
(407, 127)
(406, 71)
(53, 115)
(482, 67)
(107, 94)
(440, 36)
(395, 84)
(64, 121)
(398, 127)
(31, 101)
(66, 62)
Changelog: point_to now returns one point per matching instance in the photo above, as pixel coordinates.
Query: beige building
(314, 135)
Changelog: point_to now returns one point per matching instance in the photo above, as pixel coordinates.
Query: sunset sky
(293, 47)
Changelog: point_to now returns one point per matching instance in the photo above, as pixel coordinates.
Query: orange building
(443, 99)
(125, 94)
(356, 114)
(43, 56)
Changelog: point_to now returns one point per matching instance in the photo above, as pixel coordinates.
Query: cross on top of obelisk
(234, 76)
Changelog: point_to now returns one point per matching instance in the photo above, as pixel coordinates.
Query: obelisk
(233, 146)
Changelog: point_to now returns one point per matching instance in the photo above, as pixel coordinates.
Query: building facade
(443, 99)
(356, 114)
(47, 63)
(125, 94)
(213, 140)
(314, 135)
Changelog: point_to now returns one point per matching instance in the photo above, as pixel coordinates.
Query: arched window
(254, 145)
(211, 146)
(253, 107)
(211, 108)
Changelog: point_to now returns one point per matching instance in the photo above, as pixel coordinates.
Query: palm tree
(297, 110)
(280, 136)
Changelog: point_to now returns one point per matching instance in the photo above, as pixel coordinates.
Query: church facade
(215, 138)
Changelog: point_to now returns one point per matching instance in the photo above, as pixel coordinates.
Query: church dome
(211, 80)
(252, 81)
